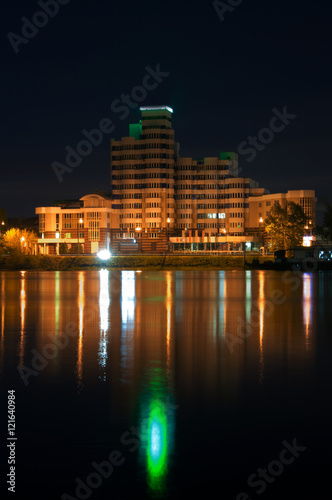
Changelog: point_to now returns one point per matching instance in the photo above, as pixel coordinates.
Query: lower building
(79, 226)
(260, 206)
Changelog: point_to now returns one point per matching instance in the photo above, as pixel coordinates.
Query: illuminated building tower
(142, 178)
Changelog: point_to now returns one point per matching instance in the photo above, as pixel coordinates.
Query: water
(167, 383)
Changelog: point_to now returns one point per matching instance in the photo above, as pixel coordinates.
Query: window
(94, 215)
(41, 223)
(94, 226)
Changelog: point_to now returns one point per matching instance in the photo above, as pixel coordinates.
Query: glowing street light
(104, 254)
(78, 234)
(167, 243)
(261, 220)
(138, 230)
(2, 224)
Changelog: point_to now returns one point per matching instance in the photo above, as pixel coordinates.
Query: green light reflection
(157, 433)
(157, 445)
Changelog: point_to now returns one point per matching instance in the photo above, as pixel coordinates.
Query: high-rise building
(200, 204)
(142, 177)
(161, 201)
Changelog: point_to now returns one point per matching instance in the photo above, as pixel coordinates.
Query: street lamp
(22, 240)
(138, 229)
(168, 221)
(260, 233)
(104, 254)
(78, 234)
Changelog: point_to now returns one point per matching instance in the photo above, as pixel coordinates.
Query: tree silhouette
(286, 225)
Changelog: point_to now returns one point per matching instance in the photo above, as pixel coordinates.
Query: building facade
(79, 226)
(197, 204)
(162, 202)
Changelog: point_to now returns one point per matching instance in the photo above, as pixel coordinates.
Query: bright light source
(155, 108)
(104, 254)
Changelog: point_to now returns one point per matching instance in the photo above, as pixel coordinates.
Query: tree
(326, 229)
(20, 241)
(63, 248)
(286, 225)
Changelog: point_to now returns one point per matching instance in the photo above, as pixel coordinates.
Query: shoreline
(141, 262)
(130, 262)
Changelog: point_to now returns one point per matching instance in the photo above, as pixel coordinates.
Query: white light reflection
(127, 296)
(128, 281)
(104, 302)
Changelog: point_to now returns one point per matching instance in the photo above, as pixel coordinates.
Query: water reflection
(57, 301)
(3, 302)
(129, 325)
(104, 303)
(307, 305)
(127, 296)
(22, 315)
(248, 295)
(169, 313)
(147, 340)
(157, 432)
(261, 304)
(80, 331)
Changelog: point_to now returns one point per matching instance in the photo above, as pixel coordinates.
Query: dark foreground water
(167, 384)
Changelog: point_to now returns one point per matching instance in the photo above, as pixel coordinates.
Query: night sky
(225, 78)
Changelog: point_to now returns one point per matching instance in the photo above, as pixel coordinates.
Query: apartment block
(160, 201)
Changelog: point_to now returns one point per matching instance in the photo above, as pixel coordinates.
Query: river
(163, 384)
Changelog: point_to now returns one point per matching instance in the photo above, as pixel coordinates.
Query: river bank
(69, 263)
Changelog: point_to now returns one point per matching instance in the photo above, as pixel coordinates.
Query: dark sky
(225, 78)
